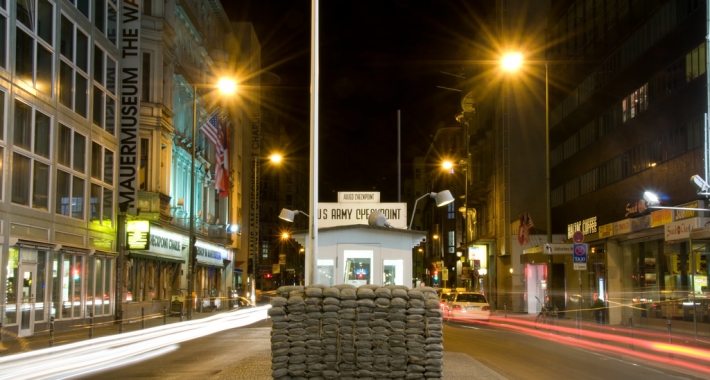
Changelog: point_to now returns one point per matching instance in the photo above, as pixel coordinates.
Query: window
(105, 18)
(71, 170)
(358, 267)
(3, 35)
(450, 211)
(147, 7)
(144, 169)
(31, 152)
(101, 191)
(74, 67)
(451, 241)
(145, 78)
(98, 289)
(33, 58)
(104, 97)
(82, 6)
(2, 141)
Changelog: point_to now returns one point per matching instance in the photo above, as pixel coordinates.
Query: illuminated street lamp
(442, 198)
(226, 86)
(513, 62)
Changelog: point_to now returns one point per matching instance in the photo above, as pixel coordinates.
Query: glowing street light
(512, 61)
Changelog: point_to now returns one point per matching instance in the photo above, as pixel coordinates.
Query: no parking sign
(579, 256)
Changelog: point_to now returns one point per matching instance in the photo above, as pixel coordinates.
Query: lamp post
(275, 158)
(226, 86)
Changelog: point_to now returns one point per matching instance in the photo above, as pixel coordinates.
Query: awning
(153, 256)
(210, 262)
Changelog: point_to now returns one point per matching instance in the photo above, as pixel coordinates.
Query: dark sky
(376, 56)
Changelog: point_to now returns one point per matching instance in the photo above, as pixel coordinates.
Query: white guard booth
(350, 251)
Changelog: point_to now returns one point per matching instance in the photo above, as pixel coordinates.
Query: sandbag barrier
(344, 332)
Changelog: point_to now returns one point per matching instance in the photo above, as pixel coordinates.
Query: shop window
(12, 287)
(40, 310)
(358, 267)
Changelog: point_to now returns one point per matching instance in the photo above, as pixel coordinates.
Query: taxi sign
(580, 256)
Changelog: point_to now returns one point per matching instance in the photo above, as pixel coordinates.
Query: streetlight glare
(447, 165)
(227, 86)
(276, 158)
(285, 235)
(512, 61)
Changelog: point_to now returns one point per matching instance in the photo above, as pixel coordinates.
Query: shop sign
(358, 196)
(687, 214)
(210, 253)
(622, 227)
(661, 217)
(606, 230)
(138, 234)
(637, 207)
(165, 242)
(641, 223)
(586, 226)
(282, 259)
(477, 253)
(681, 229)
(348, 214)
(275, 268)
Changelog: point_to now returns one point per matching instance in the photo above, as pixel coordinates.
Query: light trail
(98, 354)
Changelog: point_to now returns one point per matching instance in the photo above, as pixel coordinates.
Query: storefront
(152, 274)
(67, 284)
(210, 274)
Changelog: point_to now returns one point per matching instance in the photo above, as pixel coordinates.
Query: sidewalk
(41, 340)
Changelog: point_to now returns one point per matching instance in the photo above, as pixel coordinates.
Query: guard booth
(362, 254)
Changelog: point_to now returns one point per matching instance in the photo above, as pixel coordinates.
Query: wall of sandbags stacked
(343, 332)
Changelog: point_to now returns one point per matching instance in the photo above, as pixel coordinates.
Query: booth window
(325, 272)
(393, 271)
(358, 267)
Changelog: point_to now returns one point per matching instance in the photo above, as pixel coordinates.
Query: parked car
(444, 294)
(467, 305)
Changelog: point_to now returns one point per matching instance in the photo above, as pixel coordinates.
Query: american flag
(214, 132)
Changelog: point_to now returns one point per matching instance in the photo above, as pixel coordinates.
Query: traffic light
(701, 263)
(436, 275)
(75, 273)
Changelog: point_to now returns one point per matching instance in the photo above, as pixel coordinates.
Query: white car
(467, 305)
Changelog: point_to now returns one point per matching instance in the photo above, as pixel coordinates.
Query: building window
(74, 67)
(450, 211)
(101, 193)
(104, 100)
(451, 242)
(82, 6)
(3, 35)
(105, 18)
(143, 170)
(147, 7)
(2, 142)
(31, 153)
(145, 79)
(265, 249)
(34, 53)
(71, 173)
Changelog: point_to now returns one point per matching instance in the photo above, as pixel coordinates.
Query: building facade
(63, 255)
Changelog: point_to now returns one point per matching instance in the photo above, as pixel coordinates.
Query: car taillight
(485, 308)
(456, 307)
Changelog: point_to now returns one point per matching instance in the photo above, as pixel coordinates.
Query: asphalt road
(530, 355)
(481, 351)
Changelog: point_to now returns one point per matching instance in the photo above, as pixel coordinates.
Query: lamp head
(232, 228)
(377, 219)
(287, 215)
(227, 86)
(442, 198)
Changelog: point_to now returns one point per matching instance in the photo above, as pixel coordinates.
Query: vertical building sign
(129, 106)
(254, 197)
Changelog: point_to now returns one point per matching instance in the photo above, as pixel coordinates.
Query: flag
(222, 176)
(214, 132)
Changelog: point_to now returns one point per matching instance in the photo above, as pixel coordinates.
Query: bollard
(142, 318)
(181, 313)
(91, 325)
(601, 327)
(120, 322)
(505, 310)
(631, 330)
(165, 315)
(670, 339)
(51, 331)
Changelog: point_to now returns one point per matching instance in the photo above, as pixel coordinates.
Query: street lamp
(274, 158)
(652, 201)
(512, 62)
(289, 215)
(442, 198)
(226, 86)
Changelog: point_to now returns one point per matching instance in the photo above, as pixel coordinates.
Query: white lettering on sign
(129, 106)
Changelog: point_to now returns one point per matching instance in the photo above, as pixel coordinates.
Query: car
(467, 306)
(444, 294)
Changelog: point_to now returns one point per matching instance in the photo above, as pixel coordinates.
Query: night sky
(375, 57)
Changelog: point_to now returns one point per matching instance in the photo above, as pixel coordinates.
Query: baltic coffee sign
(346, 214)
(129, 105)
